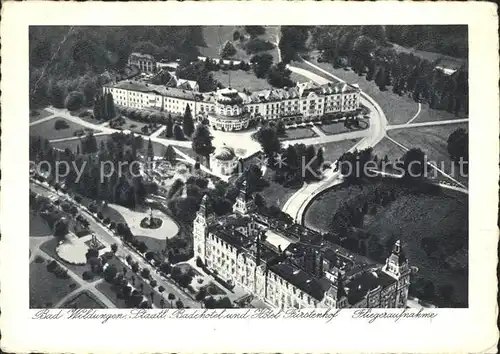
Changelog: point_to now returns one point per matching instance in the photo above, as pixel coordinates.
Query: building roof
(142, 56)
(225, 153)
(366, 281)
(156, 89)
(277, 240)
(299, 278)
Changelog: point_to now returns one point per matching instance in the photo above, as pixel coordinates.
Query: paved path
(427, 124)
(158, 131)
(296, 204)
(416, 115)
(70, 138)
(430, 164)
(108, 238)
(318, 131)
(52, 116)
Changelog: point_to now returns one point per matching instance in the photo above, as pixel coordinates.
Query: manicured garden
(57, 128)
(48, 285)
(143, 128)
(298, 133)
(431, 224)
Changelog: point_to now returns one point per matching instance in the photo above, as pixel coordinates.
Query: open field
(241, 80)
(154, 244)
(277, 194)
(216, 35)
(433, 142)
(84, 300)
(41, 113)
(333, 150)
(46, 129)
(297, 78)
(411, 217)
(46, 289)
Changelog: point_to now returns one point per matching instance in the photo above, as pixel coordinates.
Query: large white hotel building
(230, 109)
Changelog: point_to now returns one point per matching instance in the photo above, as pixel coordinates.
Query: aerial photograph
(266, 167)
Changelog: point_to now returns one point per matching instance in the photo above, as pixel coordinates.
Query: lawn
(46, 289)
(397, 109)
(299, 133)
(49, 247)
(154, 244)
(412, 216)
(275, 193)
(433, 142)
(333, 150)
(84, 300)
(387, 147)
(38, 114)
(297, 78)
(38, 226)
(46, 129)
(431, 115)
(241, 80)
(338, 128)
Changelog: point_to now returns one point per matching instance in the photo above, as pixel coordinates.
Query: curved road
(296, 204)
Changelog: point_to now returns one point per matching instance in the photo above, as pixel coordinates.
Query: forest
(73, 58)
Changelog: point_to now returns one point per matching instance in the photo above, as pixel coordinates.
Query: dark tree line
(104, 107)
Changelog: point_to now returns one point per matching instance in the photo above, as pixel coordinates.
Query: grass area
(37, 114)
(154, 244)
(299, 133)
(46, 289)
(338, 128)
(275, 193)
(433, 142)
(84, 300)
(241, 80)
(298, 78)
(333, 150)
(48, 131)
(216, 35)
(72, 144)
(387, 147)
(49, 247)
(410, 217)
(431, 115)
(38, 226)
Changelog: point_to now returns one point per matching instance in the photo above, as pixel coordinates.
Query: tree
(261, 64)
(61, 228)
(178, 133)
(280, 128)
(74, 101)
(110, 272)
(414, 163)
(145, 273)
(458, 145)
(114, 247)
(150, 152)
(269, 141)
(109, 106)
(227, 50)
(319, 157)
(179, 304)
(254, 31)
(170, 125)
(202, 142)
(187, 122)
(170, 154)
(56, 95)
(236, 35)
(279, 76)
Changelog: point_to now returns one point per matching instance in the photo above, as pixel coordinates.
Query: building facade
(289, 266)
(145, 62)
(228, 109)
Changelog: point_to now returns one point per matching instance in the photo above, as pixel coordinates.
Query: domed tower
(396, 265)
(244, 202)
(204, 217)
(225, 160)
